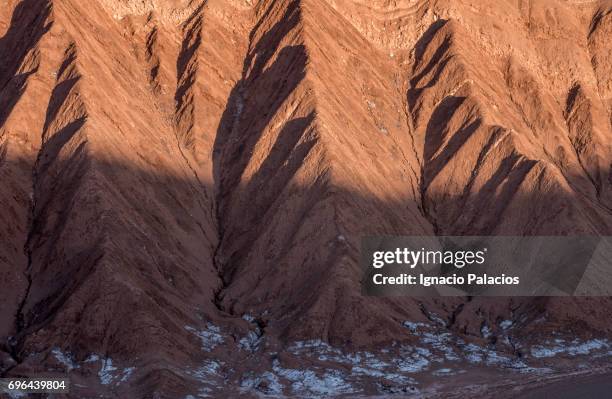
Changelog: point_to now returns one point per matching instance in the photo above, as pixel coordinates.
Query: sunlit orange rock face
(174, 172)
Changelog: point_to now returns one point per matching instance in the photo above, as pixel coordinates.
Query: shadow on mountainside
(124, 272)
(258, 96)
(28, 24)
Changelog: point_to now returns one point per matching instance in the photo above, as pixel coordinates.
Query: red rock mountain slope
(182, 175)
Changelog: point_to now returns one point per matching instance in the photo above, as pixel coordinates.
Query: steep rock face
(112, 226)
(492, 132)
(291, 197)
(181, 166)
(501, 135)
(24, 25)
